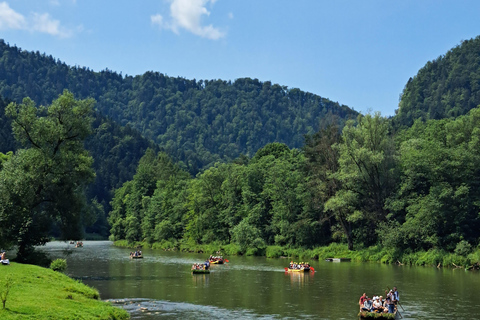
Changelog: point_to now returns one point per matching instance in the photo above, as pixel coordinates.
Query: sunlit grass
(40, 293)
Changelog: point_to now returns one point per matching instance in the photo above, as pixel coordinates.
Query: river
(161, 286)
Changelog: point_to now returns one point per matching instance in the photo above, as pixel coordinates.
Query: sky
(359, 53)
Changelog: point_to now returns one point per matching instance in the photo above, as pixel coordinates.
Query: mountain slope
(197, 122)
(446, 87)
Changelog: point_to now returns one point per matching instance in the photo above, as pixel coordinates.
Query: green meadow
(40, 293)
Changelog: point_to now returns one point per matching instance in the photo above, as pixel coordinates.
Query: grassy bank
(433, 257)
(40, 293)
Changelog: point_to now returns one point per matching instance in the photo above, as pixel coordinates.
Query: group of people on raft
(201, 266)
(299, 265)
(215, 258)
(378, 305)
(137, 253)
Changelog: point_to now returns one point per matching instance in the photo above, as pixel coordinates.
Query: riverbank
(40, 293)
(433, 257)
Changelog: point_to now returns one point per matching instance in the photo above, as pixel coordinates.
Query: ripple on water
(149, 309)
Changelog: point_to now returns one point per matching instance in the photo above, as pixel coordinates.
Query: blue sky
(359, 52)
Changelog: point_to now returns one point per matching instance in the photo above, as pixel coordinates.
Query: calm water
(161, 286)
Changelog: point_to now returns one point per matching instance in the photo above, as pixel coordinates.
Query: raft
(307, 269)
(200, 271)
(136, 257)
(375, 315)
(220, 261)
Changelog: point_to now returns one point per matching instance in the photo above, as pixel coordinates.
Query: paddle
(398, 302)
(226, 260)
(311, 268)
(398, 311)
(286, 269)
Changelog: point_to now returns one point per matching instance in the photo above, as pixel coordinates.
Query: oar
(286, 269)
(226, 260)
(398, 302)
(311, 268)
(399, 314)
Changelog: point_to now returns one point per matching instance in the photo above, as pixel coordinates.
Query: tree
(44, 182)
(367, 174)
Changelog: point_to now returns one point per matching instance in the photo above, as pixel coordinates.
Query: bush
(59, 265)
(463, 248)
(454, 260)
(232, 249)
(430, 258)
(274, 252)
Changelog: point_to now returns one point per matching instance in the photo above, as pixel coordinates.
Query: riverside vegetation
(283, 173)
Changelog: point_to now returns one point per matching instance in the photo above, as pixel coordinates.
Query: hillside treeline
(446, 87)
(415, 190)
(196, 122)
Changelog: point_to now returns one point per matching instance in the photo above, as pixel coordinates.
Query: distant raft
(376, 315)
(200, 271)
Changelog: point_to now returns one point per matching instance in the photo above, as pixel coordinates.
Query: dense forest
(446, 87)
(403, 188)
(417, 190)
(196, 122)
(257, 166)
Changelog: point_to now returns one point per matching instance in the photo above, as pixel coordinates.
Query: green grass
(40, 293)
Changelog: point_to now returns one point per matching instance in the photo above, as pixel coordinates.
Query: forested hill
(446, 87)
(197, 122)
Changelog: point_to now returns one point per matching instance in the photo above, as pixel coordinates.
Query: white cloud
(187, 14)
(43, 23)
(157, 19)
(9, 19)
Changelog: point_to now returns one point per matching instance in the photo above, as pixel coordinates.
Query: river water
(161, 286)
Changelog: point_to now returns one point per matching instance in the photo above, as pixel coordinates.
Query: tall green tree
(43, 183)
(367, 172)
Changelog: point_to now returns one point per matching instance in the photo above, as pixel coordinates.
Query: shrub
(232, 249)
(274, 252)
(463, 248)
(6, 286)
(59, 265)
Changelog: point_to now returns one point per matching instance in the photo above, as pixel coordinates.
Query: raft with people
(136, 255)
(201, 268)
(217, 260)
(379, 308)
(299, 267)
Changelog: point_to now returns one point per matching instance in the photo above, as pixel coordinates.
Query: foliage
(445, 87)
(44, 183)
(374, 315)
(274, 252)
(59, 265)
(196, 122)
(6, 287)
